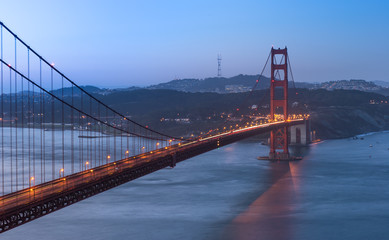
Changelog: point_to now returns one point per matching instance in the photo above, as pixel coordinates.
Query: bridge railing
(74, 181)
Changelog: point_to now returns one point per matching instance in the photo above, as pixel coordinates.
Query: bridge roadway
(28, 204)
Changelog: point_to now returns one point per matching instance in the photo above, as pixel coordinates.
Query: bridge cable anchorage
(87, 93)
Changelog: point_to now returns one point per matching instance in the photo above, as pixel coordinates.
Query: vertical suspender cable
(88, 139)
(29, 130)
(72, 131)
(22, 116)
(10, 128)
(63, 132)
(2, 112)
(33, 134)
(81, 129)
(16, 123)
(43, 134)
(28, 116)
(52, 131)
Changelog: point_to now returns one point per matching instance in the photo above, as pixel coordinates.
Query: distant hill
(354, 84)
(69, 91)
(236, 84)
(382, 83)
(74, 91)
(335, 114)
(239, 83)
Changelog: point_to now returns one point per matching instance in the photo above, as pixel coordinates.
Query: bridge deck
(28, 204)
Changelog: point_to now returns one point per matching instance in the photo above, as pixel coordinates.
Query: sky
(126, 43)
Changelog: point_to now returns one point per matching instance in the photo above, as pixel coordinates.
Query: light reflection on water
(269, 216)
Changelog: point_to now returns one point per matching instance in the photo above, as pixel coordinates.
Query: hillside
(216, 84)
(244, 83)
(334, 114)
(239, 83)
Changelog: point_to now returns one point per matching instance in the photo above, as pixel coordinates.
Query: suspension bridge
(61, 144)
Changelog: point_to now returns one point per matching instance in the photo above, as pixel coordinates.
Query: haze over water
(339, 191)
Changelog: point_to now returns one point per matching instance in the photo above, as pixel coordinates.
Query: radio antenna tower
(219, 65)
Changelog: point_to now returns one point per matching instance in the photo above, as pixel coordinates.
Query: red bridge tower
(279, 81)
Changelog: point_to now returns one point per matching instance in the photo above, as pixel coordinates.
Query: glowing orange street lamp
(32, 179)
(61, 172)
(86, 165)
(108, 158)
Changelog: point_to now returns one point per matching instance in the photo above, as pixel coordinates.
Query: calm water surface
(339, 191)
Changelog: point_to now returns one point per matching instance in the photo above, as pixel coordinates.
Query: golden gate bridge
(60, 144)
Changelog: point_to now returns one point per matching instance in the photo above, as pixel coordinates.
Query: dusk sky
(125, 43)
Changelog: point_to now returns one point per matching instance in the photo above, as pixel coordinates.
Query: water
(339, 191)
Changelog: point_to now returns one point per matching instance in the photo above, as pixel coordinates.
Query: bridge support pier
(174, 160)
(300, 134)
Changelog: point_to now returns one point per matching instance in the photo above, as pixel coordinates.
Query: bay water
(340, 190)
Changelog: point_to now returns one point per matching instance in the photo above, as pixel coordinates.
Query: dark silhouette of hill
(335, 114)
(222, 84)
(215, 84)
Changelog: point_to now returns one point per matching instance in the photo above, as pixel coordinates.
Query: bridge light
(127, 152)
(32, 179)
(52, 64)
(61, 172)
